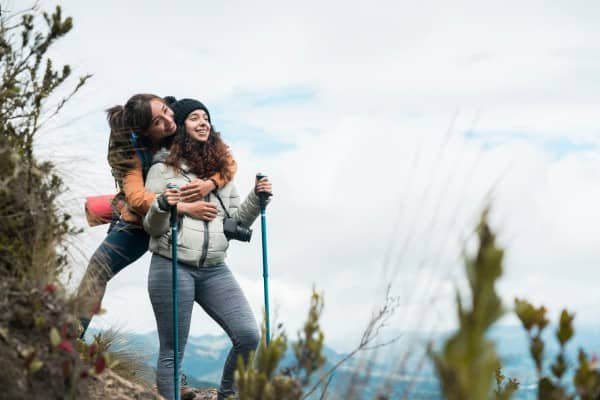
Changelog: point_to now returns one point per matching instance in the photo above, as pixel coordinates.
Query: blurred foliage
(309, 345)
(32, 226)
(123, 359)
(504, 388)
(586, 376)
(38, 330)
(468, 362)
(262, 377)
(259, 379)
(39, 339)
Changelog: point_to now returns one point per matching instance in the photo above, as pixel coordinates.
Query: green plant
(553, 386)
(504, 390)
(468, 362)
(259, 379)
(32, 226)
(263, 378)
(38, 330)
(118, 355)
(38, 338)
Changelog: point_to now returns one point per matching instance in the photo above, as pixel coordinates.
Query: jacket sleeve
(231, 170)
(246, 212)
(136, 196)
(156, 221)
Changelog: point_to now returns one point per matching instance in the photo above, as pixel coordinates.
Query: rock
(109, 385)
(198, 394)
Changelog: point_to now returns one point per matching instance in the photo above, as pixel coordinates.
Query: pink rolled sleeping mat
(98, 209)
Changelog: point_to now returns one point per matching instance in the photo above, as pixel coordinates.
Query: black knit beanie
(170, 100)
(182, 108)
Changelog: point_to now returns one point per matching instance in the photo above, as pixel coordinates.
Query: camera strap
(222, 205)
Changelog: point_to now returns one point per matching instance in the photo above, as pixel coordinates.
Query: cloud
(349, 108)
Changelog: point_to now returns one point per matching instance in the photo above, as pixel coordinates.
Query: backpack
(96, 212)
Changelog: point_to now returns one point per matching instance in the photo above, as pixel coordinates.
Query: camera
(233, 230)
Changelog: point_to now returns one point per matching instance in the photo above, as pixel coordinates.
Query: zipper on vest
(205, 244)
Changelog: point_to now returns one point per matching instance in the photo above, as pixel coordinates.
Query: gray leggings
(215, 289)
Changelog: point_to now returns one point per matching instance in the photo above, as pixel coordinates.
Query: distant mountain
(205, 356)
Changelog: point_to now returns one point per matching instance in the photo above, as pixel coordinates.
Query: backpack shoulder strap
(144, 155)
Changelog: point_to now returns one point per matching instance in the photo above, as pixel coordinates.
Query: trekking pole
(263, 197)
(173, 220)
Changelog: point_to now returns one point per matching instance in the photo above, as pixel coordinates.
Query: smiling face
(197, 125)
(162, 124)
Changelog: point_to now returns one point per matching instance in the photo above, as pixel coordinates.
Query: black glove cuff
(163, 204)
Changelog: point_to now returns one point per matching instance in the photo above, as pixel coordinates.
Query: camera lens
(244, 234)
(234, 231)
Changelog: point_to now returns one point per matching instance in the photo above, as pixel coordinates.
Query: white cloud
(371, 167)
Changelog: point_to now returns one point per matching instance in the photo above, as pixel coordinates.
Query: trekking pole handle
(262, 196)
(173, 217)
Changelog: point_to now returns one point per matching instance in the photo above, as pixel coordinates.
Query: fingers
(172, 196)
(209, 216)
(195, 190)
(207, 211)
(191, 197)
(191, 194)
(202, 210)
(264, 186)
(212, 207)
(189, 189)
(210, 211)
(186, 186)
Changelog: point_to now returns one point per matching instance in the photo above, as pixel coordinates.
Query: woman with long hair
(138, 130)
(203, 277)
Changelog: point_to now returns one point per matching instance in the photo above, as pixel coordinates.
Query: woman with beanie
(137, 130)
(203, 277)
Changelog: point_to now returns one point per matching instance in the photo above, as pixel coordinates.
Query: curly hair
(203, 159)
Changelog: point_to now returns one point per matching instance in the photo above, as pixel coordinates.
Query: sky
(386, 127)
